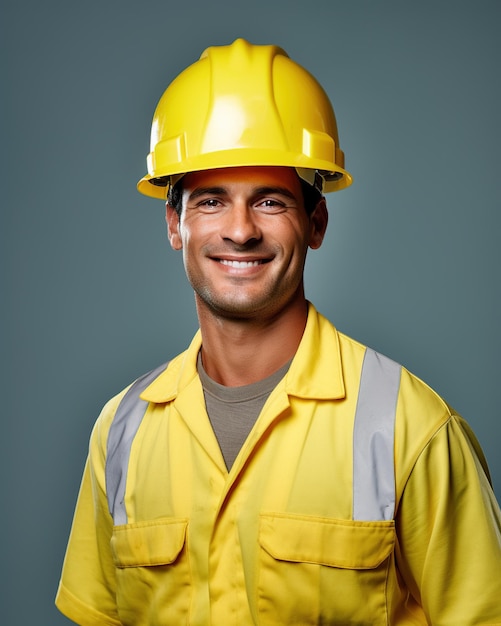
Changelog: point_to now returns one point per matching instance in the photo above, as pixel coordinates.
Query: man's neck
(240, 352)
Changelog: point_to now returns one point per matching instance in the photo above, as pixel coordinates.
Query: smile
(241, 264)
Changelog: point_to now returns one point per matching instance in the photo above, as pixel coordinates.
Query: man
(277, 472)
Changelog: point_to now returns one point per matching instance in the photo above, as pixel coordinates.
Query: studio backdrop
(92, 294)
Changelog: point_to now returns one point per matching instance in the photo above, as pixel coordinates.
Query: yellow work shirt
(273, 541)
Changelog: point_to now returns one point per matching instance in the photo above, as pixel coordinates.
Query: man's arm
(449, 532)
(86, 591)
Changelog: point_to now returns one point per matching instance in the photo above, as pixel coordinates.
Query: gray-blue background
(92, 295)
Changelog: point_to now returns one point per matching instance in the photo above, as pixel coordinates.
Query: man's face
(244, 233)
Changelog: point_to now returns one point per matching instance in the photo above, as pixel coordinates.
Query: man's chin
(234, 308)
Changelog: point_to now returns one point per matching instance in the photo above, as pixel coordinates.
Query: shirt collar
(315, 372)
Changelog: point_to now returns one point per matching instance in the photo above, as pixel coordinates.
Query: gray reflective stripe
(124, 427)
(373, 439)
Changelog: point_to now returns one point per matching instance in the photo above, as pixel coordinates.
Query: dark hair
(175, 196)
(311, 196)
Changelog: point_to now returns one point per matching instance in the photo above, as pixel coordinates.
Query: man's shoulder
(139, 384)
(414, 391)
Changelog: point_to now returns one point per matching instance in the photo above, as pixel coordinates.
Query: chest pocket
(152, 572)
(323, 571)
(148, 543)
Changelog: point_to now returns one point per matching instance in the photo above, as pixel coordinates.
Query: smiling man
(276, 472)
(244, 233)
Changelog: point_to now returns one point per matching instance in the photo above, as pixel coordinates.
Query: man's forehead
(249, 176)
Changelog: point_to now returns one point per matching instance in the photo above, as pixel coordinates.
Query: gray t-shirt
(233, 410)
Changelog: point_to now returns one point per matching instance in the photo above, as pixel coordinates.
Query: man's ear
(172, 219)
(318, 224)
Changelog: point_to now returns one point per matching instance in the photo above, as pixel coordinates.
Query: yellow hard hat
(242, 105)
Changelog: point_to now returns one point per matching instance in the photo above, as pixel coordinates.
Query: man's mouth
(242, 264)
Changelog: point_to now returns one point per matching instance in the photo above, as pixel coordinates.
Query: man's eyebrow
(274, 190)
(207, 191)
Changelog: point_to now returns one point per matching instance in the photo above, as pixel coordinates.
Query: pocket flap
(148, 543)
(336, 543)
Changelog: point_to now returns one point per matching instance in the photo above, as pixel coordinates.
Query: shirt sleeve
(449, 532)
(86, 592)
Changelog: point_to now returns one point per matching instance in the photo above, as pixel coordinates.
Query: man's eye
(270, 203)
(210, 202)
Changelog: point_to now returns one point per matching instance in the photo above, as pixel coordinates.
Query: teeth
(240, 263)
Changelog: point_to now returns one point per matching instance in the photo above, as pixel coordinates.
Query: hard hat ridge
(242, 105)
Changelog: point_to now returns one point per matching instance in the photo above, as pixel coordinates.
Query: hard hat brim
(156, 184)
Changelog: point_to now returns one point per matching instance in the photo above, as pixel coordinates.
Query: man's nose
(240, 225)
